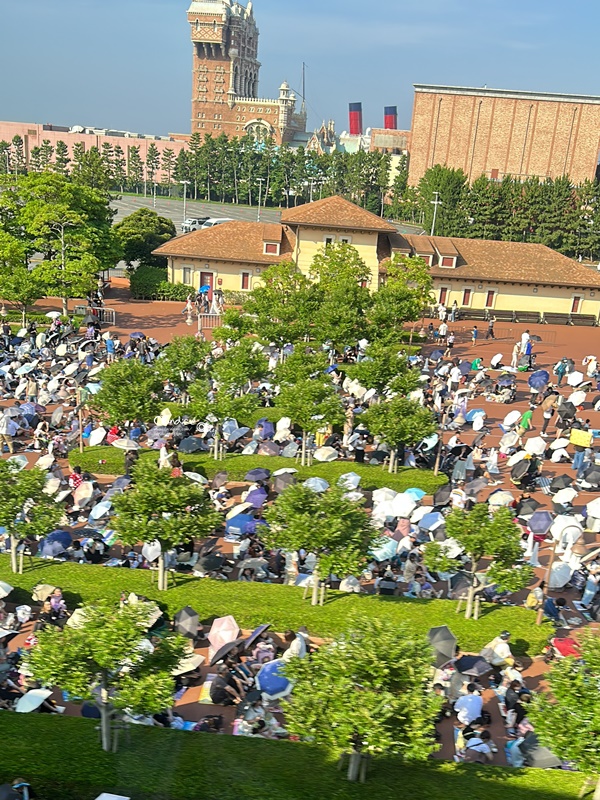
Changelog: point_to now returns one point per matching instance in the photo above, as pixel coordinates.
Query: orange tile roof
(505, 262)
(233, 241)
(335, 212)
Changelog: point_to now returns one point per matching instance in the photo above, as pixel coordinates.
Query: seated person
(49, 616)
(222, 688)
(554, 610)
(478, 749)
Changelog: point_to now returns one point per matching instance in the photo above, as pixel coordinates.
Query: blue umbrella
(386, 549)
(540, 522)
(464, 367)
(330, 369)
(258, 474)
(272, 682)
(416, 494)
(470, 415)
(507, 380)
(436, 355)
(268, 428)
(62, 537)
(205, 289)
(539, 380)
(243, 523)
(137, 335)
(258, 497)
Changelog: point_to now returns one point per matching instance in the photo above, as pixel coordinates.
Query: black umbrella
(464, 367)
(442, 496)
(258, 474)
(486, 384)
(567, 410)
(560, 482)
(378, 456)
(474, 487)
(535, 338)
(520, 469)
(224, 651)
(191, 445)
(281, 482)
(256, 633)
(529, 507)
(219, 480)
(461, 450)
(185, 622)
(472, 665)
(443, 642)
(211, 562)
(592, 475)
(480, 436)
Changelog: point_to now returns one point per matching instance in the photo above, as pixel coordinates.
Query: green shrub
(109, 461)
(234, 298)
(150, 283)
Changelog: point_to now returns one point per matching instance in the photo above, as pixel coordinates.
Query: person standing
(516, 351)
(443, 331)
(474, 335)
(525, 337)
(449, 344)
(454, 311)
(8, 429)
(560, 370)
(490, 330)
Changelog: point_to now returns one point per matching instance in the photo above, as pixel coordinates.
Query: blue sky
(127, 63)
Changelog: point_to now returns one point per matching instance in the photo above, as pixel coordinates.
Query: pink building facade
(34, 134)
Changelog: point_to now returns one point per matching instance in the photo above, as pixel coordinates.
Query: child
(474, 335)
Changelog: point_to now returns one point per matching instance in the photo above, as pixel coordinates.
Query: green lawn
(237, 466)
(61, 758)
(253, 604)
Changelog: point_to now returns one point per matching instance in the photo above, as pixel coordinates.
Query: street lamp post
(435, 203)
(185, 184)
(260, 182)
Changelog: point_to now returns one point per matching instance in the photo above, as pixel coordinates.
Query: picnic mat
(205, 689)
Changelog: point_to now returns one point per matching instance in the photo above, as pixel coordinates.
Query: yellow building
(484, 278)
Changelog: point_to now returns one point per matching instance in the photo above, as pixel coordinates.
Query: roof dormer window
(271, 248)
(448, 261)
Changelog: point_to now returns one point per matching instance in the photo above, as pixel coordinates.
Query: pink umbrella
(222, 631)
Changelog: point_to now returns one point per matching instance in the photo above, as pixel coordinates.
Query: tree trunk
(471, 592)
(303, 458)
(65, 307)
(315, 588)
(216, 446)
(392, 461)
(105, 721)
(14, 542)
(161, 573)
(354, 766)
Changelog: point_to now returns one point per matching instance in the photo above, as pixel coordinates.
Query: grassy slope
(61, 757)
(237, 466)
(253, 604)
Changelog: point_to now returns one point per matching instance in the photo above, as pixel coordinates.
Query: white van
(210, 223)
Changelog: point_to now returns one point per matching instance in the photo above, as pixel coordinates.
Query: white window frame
(189, 270)
(277, 245)
(345, 239)
(249, 274)
(329, 239)
(444, 266)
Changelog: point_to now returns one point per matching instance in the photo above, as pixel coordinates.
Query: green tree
(130, 390)
(239, 366)
(152, 163)
(567, 717)
(337, 530)
(61, 159)
(404, 297)
(107, 155)
(46, 154)
(399, 421)
(93, 169)
(451, 186)
(395, 209)
(300, 366)
(135, 168)
(342, 295)
(5, 160)
(481, 535)
(310, 404)
(88, 662)
(24, 508)
(159, 508)
(384, 367)
(185, 356)
(487, 207)
(141, 233)
(368, 687)
(35, 160)
(19, 161)
(282, 306)
(225, 404)
(168, 162)
(119, 166)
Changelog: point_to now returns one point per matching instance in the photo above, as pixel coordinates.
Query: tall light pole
(260, 182)
(185, 184)
(435, 203)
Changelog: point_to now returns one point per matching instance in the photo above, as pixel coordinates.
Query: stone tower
(225, 76)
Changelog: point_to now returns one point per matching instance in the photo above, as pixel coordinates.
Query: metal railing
(106, 316)
(209, 321)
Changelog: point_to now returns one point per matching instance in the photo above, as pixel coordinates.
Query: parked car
(193, 224)
(210, 223)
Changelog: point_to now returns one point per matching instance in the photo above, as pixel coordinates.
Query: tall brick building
(496, 132)
(225, 77)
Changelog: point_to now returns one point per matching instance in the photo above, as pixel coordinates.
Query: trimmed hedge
(155, 764)
(110, 461)
(150, 283)
(253, 604)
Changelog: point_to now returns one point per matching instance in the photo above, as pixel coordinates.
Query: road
(173, 209)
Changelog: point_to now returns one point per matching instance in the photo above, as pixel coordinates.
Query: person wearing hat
(498, 652)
